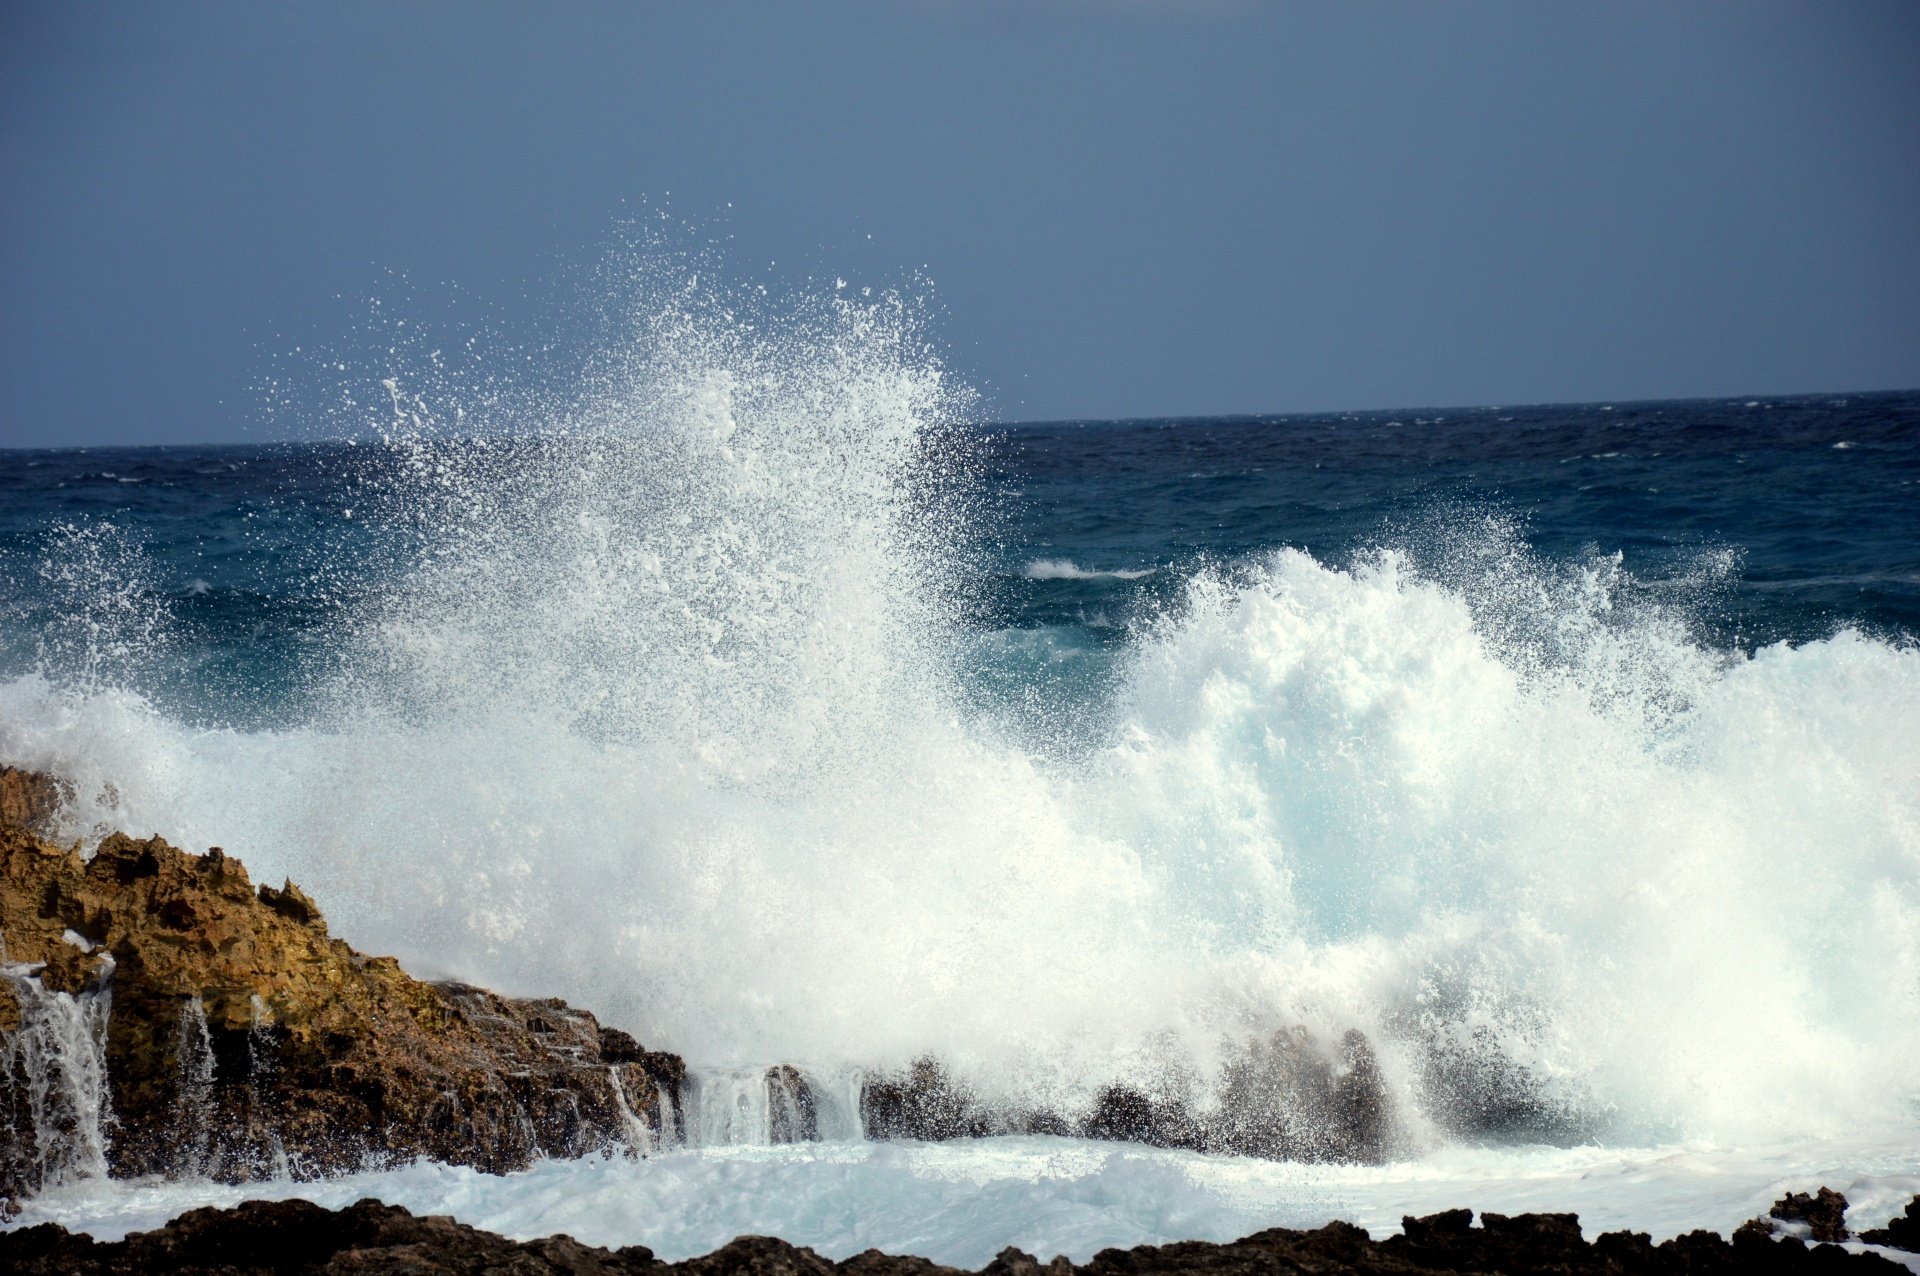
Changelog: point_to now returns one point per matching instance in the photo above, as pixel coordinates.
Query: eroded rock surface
(27, 798)
(295, 1236)
(243, 1037)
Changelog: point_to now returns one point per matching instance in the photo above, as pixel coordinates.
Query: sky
(1120, 209)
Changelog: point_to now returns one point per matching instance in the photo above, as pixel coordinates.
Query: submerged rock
(368, 1237)
(244, 1040)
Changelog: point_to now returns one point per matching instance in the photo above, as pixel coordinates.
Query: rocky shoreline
(160, 1014)
(369, 1237)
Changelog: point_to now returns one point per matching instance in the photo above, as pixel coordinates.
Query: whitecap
(1067, 569)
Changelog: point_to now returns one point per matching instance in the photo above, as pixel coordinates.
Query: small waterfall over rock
(792, 1112)
(56, 1102)
(195, 1054)
(780, 1104)
(639, 1136)
(263, 1118)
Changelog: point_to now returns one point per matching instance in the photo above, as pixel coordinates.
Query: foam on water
(962, 1203)
(666, 716)
(1067, 569)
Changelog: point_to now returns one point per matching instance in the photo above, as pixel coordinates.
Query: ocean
(756, 695)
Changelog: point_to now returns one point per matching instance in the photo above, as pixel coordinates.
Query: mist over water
(673, 708)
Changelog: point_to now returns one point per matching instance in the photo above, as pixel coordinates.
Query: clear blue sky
(1127, 208)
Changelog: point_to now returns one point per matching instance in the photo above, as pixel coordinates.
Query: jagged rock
(1436, 1229)
(1017, 1262)
(1902, 1232)
(368, 1237)
(309, 1053)
(1824, 1213)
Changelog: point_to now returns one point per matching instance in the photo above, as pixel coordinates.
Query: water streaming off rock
(195, 1064)
(58, 1108)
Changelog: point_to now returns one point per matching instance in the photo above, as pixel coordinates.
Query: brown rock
(321, 1058)
(27, 799)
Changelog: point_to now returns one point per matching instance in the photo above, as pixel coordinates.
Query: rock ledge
(369, 1237)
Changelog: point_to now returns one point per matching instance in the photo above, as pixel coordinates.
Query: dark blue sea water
(1767, 520)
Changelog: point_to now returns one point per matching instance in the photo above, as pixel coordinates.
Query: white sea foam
(666, 718)
(962, 1203)
(1067, 569)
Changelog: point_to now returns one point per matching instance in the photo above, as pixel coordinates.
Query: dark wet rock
(1626, 1251)
(1475, 1089)
(296, 1236)
(243, 1038)
(1902, 1232)
(922, 1103)
(793, 1111)
(1017, 1262)
(1436, 1229)
(1542, 1230)
(1046, 1123)
(369, 1237)
(1125, 1114)
(1824, 1212)
(1288, 1097)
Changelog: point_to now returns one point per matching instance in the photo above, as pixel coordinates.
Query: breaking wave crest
(666, 715)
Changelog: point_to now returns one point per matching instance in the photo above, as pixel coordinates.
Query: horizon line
(1178, 418)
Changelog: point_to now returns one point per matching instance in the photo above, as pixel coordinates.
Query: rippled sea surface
(1768, 519)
